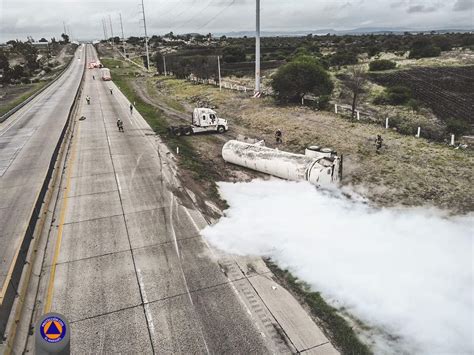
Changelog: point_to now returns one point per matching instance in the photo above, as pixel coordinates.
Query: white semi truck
(203, 120)
(105, 73)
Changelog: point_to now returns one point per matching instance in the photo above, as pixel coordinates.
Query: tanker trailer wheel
(188, 131)
(221, 129)
(177, 131)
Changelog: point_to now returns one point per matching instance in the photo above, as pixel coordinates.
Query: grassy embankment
(408, 172)
(201, 170)
(24, 96)
(336, 327)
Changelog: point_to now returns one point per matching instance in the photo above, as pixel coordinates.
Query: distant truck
(93, 65)
(202, 120)
(105, 73)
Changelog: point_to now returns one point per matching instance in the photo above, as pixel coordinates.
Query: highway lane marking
(62, 217)
(145, 301)
(181, 266)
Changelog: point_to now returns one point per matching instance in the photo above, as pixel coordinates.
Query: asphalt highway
(27, 141)
(124, 261)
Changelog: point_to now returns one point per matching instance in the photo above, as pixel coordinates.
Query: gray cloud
(421, 8)
(19, 18)
(463, 5)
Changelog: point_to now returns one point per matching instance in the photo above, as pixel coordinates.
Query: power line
(217, 15)
(184, 23)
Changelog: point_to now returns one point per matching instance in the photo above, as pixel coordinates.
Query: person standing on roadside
(131, 109)
(278, 136)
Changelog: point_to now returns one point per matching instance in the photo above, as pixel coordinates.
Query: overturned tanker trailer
(318, 166)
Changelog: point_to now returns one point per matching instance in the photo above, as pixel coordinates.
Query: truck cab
(205, 119)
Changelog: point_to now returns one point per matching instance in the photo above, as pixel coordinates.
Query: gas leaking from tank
(406, 272)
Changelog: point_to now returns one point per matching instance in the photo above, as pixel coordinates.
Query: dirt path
(409, 172)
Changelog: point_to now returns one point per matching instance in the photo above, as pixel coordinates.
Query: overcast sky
(44, 18)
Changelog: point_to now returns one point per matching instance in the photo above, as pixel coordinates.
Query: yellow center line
(70, 164)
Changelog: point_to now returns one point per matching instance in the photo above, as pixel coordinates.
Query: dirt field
(408, 172)
(448, 91)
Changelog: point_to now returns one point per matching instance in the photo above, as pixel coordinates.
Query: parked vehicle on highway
(202, 120)
(105, 73)
(93, 65)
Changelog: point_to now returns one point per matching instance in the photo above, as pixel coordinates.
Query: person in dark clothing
(111, 92)
(278, 136)
(120, 125)
(131, 108)
(378, 143)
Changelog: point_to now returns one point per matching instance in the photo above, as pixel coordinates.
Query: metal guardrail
(11, 293)
(4, 117)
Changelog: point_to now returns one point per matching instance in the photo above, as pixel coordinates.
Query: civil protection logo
(53, 329)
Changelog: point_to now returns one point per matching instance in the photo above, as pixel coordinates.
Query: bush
(343, 58)
(304, 75)
(395, 95)
(382, 64)
(323, 102)
(458, 126)
(424, 48)
(414, 105)
(233, 54)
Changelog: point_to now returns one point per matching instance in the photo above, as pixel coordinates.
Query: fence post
(302, 101)
(452, 139)
(335, 108)
(358, 115)
(419, 132)
(386, 123)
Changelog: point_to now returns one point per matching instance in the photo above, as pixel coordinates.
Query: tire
(188, 131)
(177, 131)
(220, 129)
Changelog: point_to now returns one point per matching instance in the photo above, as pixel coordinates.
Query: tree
(65, 38)
(424, 48)
(4, 64)
(343, 57)
(355, 83)
(233, 54)
(382, 64)
(304, 75)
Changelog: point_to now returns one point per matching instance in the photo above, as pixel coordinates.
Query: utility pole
(257, 51)
(219, 69)
(123, 38)
(64, 26)
(111, 30)
(164, 64)
(103, 29)
(104, 24)
(146, 39)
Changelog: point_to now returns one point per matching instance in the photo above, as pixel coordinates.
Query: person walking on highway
(93, 77)
(131, 109)
(111, 92)
(120, 125)
(88, 99)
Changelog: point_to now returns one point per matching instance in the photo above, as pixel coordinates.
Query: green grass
(37, 87)
(202, 171)
(340, 332)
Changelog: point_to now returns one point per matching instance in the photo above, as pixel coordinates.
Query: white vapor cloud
(407, 272)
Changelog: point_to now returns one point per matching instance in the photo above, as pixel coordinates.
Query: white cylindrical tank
(317, 170)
